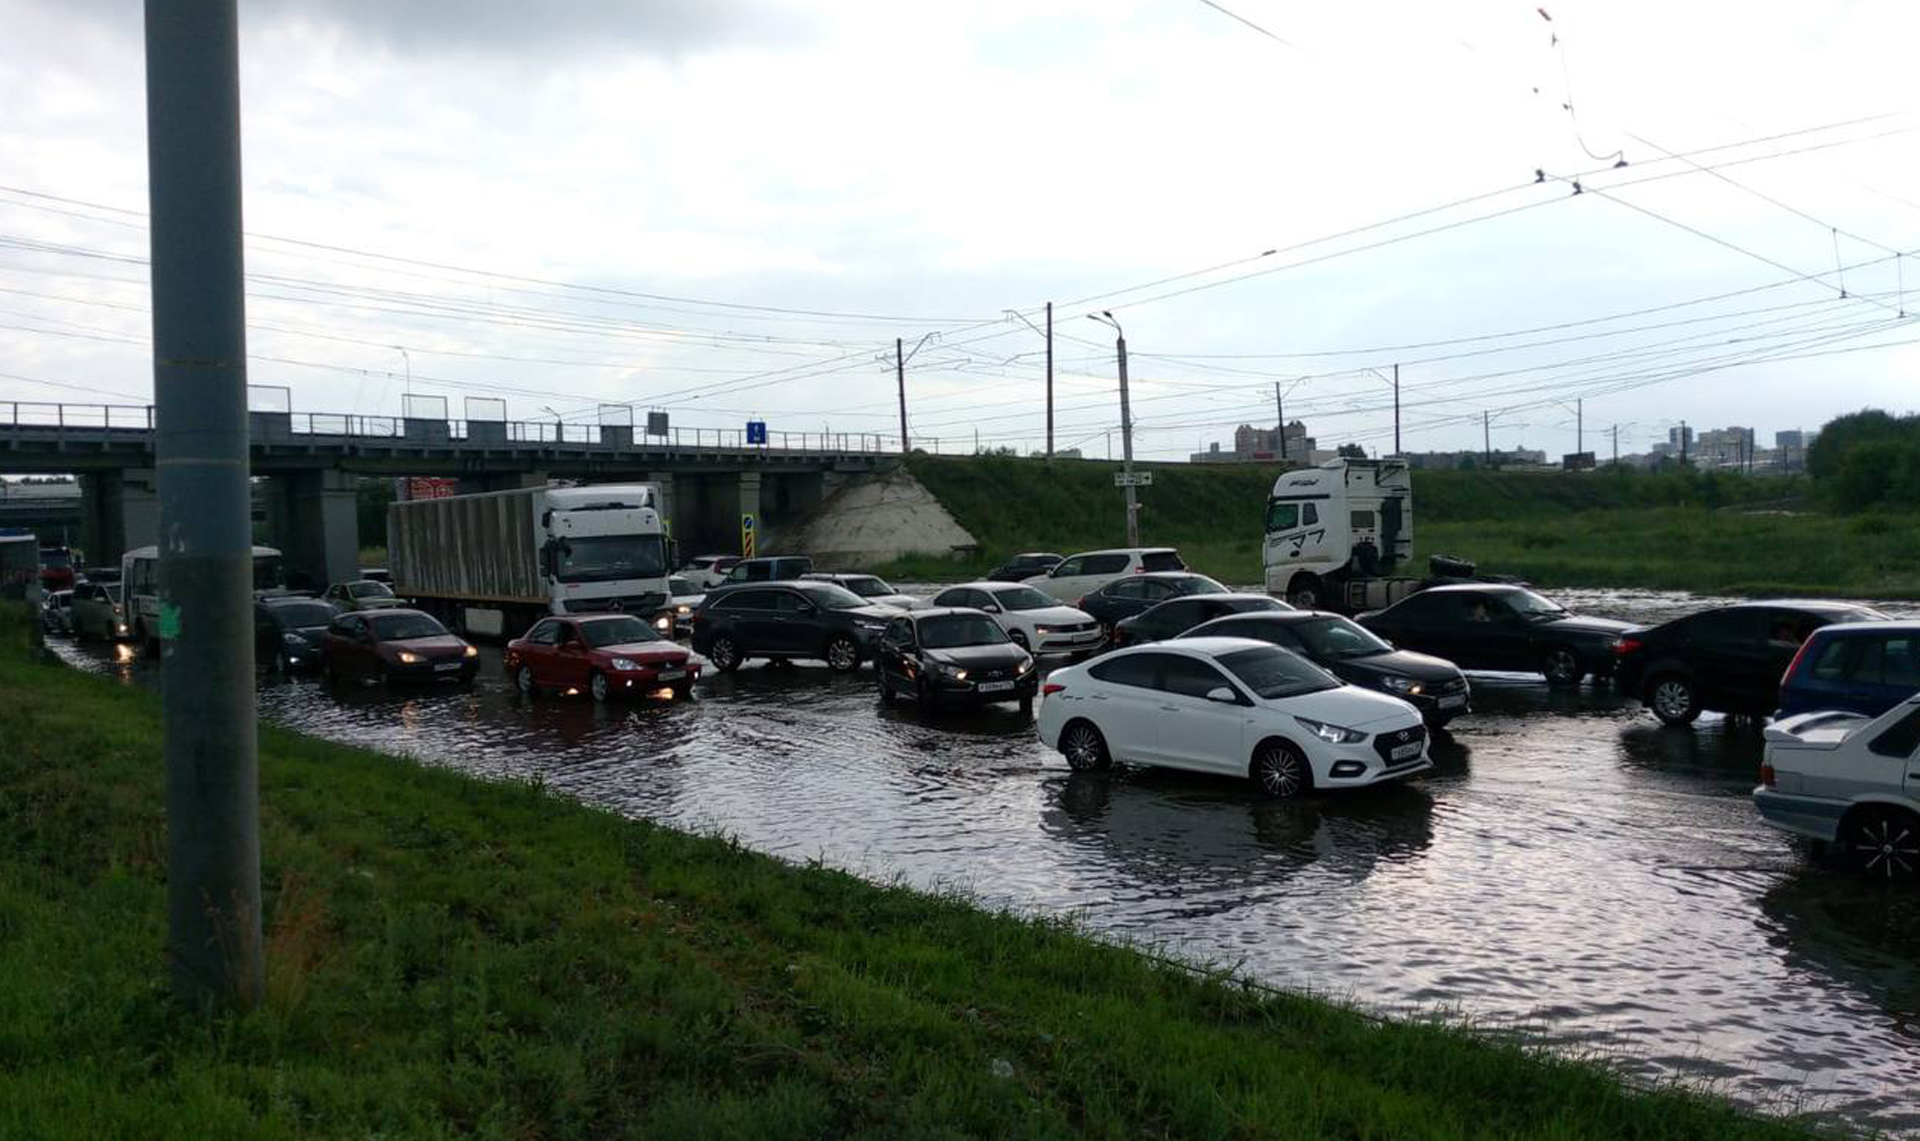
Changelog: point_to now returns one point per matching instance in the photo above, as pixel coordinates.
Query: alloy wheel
(724, 654)
(1280, 771)
(1083, 748)
(1673, 701)
(1886, 845)
(523, 678)
(843, 655)
(597, 685)
(1561, 667)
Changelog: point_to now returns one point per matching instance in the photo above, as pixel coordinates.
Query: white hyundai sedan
(1231, 706)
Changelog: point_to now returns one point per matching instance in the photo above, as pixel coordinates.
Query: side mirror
(991, 608)
(1223, 695)
(673, 552)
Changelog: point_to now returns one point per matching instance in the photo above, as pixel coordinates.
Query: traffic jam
(1338, 675)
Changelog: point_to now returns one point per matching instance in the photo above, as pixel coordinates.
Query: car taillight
(1051, 688)
(1079, 602)
(1766, 775)
(1627, 645)
(1795, 664)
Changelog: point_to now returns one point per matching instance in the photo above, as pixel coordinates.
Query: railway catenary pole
(900, 375)
(1106, 317)
(206, 558)
(1049, 380)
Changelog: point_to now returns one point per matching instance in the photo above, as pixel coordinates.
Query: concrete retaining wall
(872, 519)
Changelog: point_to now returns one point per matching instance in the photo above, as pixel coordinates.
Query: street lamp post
(1105, 317)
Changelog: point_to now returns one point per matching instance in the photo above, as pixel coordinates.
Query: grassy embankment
(453, 957)
(1677, 532)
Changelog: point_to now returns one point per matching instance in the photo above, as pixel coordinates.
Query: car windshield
(835, 597)
(679, 587)
(867, 586)
(1023, 598)
(369, 590)
(400, 627)
(1338, 638)
(300, 614)
(1272, 672)
(617, 632)
(951, 630)
(1530, 605)
(602, 558)
(1198, 584)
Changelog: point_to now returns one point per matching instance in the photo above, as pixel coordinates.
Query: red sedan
(603, 654)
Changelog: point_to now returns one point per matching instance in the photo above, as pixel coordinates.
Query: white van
(140, 588)
(1329, 524)
(1076, 576)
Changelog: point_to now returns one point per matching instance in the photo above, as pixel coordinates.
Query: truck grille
(640, 605)
(1385, 743)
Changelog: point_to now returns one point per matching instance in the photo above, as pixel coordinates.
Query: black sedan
(1138, 593)
(1496, 627)
(1434, 686)
(785, 620)
(953, 654)
(1176, 616)
(287, 632)
(1022, 567)
(1729, 659)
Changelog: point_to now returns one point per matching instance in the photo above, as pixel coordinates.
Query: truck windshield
(1282, 516)
(601, 558)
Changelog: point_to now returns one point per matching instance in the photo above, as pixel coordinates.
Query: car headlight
(409, 658)
(1404, 685)
(293, 639)
(664, 622)
(1025, 665)
(472, 651)
(1332, 734)
(954, 672)
(683, 608)
(625, 664)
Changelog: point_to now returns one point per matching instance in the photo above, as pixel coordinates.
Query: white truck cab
(1342, 522)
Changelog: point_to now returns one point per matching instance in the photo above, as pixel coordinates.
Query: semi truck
(495, 562)
(1337, 533)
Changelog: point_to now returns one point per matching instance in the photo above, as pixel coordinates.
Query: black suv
(815, 620)
(287, 632)
(1350, 652)
(1022, 567)
(1730, 659)
(1176, 616)
(953, 654)
(778, 568)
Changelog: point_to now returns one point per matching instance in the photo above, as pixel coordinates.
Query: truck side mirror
(546, 559)
(673, 553)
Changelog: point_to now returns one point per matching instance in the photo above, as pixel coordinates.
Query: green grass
(449, 957)
(1677, 530)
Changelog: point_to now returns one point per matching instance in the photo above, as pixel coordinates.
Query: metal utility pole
(1396, 411)
(1486, 434)
(1683, 442)
(1580, 425)
(1280, 410)
(206, 546)
(1126, 428)
(1049, 380)
(900, 375)
(1616, 445)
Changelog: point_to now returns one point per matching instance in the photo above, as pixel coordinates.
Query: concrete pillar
(313, 518)
(665, 480)
(749, 504)
(120, 510)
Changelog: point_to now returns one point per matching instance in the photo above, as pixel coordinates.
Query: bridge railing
(76, 422)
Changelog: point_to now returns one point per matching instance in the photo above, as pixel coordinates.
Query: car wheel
(1280, 771)
(1303, 593)
(597, 685)
(1561, 666)
(1084, 748)
(843, 655)
(724, 653)
(1673, 700)
(523, 680)
(1883, 843)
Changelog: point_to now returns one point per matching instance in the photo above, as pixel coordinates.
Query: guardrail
(113, 422)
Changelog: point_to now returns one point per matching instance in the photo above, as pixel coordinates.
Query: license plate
(994, 686)
(445, 667)
(1454, 702)
(672, 675)
(1406, 752)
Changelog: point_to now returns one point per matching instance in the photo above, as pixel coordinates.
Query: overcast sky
(730, 208)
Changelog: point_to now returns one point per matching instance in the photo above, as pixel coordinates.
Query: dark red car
(606, 655)
(395, 645)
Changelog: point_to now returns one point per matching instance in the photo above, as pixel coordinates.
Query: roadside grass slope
(451, 957)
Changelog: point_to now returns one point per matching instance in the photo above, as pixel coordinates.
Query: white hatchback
(1851, 780)
(1029, 617)
(1076, 576)
(1231, 706)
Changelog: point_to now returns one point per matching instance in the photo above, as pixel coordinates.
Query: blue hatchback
(1859, 667)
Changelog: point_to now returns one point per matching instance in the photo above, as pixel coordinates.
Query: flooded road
(1569, 867)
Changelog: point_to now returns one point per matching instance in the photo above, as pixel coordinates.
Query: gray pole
(1580, 425)
(1396, 410)
(1280, 410)
(1126, 446)
(1486, 434)
(206, 554)
(900, 374)
(1049, 380)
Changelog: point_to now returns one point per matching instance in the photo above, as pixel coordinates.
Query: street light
(559, 427)
(1105, 317)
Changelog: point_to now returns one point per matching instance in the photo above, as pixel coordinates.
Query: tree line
(1868, 460)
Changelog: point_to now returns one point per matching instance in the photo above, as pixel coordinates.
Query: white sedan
(1231, 706)
(1850, 780)
(1038, 623)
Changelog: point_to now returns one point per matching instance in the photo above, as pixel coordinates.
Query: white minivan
(1076, 576)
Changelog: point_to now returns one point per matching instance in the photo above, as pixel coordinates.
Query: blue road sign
(756, 431)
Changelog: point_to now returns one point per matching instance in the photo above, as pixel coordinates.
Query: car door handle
(1169, 709)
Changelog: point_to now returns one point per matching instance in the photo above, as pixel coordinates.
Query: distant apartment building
(1724, 447)
(1680, 440)
(1262, 445)
(1790, 449)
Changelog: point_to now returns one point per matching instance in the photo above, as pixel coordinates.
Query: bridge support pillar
(313, 517)
(119, 511)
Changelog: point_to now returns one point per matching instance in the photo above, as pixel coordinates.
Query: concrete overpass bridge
(310, 463)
